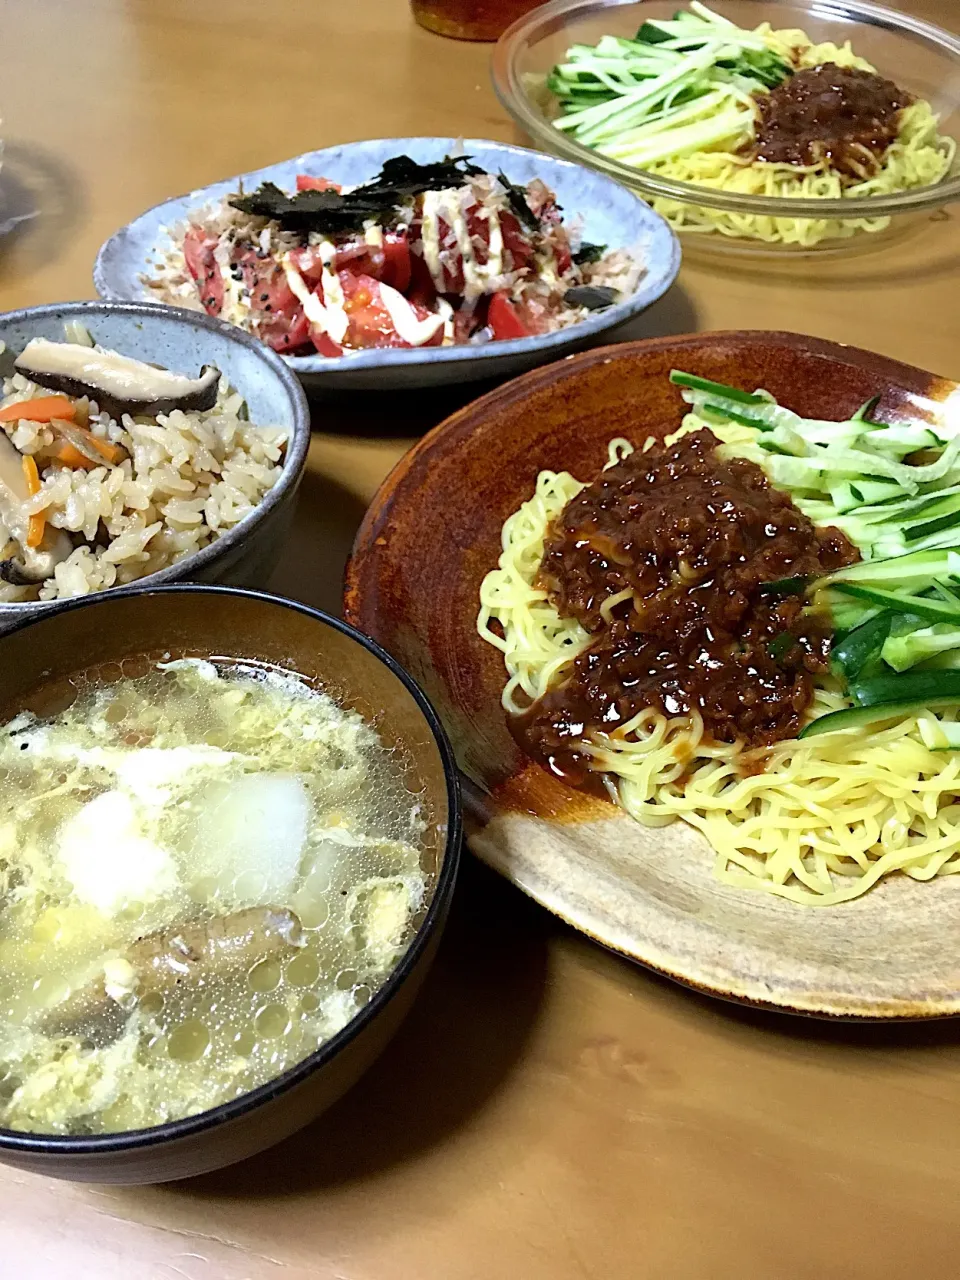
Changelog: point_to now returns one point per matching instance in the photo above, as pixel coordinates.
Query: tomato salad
(422, 255)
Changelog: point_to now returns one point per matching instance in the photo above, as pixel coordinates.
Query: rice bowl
(187, 476)
(188, 490)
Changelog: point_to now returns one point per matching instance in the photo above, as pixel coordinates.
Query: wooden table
(548, 1112)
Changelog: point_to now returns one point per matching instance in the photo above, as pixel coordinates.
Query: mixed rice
(168, 484)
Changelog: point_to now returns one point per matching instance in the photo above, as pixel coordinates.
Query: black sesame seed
(268, 307)
(264, 297)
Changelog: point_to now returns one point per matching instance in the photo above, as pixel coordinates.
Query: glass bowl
(920, 57)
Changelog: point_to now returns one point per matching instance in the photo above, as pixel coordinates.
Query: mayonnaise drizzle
(329, 316)
(445, 310)
(416, 332)
(446, 205)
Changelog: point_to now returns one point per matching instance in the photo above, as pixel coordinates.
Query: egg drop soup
(205, 873)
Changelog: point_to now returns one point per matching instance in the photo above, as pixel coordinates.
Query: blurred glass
(470, 19)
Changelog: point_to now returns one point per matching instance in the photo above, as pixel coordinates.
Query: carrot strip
(38, 523)
(35, 529)
(112, 452)
(76, 438)
(31, 474)
(71, 457)
(42, 409)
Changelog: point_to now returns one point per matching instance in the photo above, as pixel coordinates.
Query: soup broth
(205, 873)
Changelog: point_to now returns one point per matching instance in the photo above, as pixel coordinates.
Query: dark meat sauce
(692, 537)
(839, 114)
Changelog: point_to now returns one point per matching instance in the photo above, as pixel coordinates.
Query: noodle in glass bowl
(729, 206)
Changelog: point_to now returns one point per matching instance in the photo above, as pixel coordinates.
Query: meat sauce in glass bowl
(828, 114)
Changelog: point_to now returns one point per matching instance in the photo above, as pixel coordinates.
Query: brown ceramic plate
(432, 533)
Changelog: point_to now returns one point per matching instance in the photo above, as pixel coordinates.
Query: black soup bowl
(37, 661)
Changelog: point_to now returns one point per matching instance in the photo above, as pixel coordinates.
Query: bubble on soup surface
(151, 1002)
(189, 1041)
(303, 970)
(313, 913)
(116, 711)
(346, 978)
(265, 976)
(272, 1021)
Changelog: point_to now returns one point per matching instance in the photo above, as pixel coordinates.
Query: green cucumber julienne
(916, 606)
(696, 383)
(921, 688)
(861, 646)
(917, 569)
(859, 717)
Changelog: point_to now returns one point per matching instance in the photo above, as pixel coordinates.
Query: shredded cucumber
(903, 652)
(853, 473)
(680, 86)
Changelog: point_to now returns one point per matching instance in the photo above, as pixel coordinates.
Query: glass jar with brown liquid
(470, 19)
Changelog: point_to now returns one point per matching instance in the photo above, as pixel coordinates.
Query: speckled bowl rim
(648, 291)
(294, 460)
(212, 1119)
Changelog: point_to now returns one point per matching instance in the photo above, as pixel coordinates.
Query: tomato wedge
(370, 323)
(309, 263)
(307, 183)
(389, 262)
(198, 253)
(397, 270)
(518, 249)
(324, 344)
(506, 319)
(276, 310)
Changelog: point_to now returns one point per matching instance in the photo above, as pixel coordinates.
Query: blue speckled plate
(611, 215)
